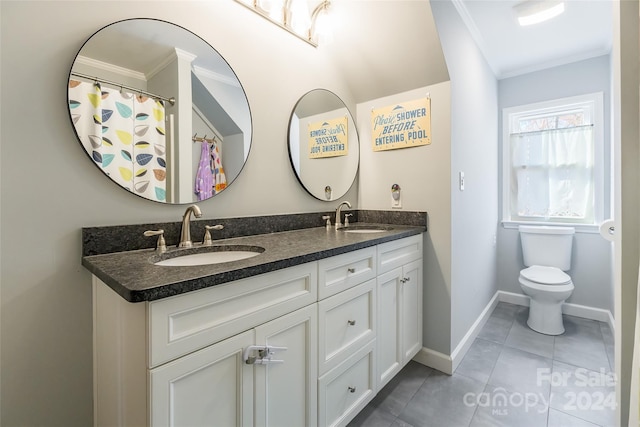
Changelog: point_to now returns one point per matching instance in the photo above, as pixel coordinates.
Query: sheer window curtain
(552, 174)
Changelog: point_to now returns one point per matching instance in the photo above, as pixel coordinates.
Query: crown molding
(475, 33)
(125, 72)
(206, 73)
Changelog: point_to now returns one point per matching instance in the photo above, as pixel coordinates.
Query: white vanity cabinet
(399, 295)
(338, 328)
(214, 386)
(182, 360)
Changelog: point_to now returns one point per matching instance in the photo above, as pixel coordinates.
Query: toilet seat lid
(546, 275)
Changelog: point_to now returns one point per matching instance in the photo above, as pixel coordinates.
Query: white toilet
(547, 254)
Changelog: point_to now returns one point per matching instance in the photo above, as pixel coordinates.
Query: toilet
(547, 255)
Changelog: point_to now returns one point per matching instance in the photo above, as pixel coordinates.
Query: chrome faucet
(339, 213)
(185, 233)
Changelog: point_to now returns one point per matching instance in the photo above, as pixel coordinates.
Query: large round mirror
(323, 145)
(159, 111)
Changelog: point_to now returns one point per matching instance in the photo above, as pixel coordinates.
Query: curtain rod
(550, 130)
(171, 100)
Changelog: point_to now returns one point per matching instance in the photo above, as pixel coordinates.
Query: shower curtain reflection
(124, 134)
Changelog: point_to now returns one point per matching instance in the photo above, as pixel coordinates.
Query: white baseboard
(568, 308)
(448, 364)
(513, 298)
(435, 360)
(465, 343)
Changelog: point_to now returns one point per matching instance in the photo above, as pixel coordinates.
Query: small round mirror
(159, 111)
(323, 145)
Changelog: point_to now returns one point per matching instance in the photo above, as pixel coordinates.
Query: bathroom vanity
(266, 321)
(303, 334)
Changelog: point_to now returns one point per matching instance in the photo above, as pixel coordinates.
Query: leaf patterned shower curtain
(124, 134)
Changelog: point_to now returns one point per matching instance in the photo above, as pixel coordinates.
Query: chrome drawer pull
(352, 389)
(351, 322)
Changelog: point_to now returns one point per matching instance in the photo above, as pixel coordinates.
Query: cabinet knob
(351, 270)
(351, 322)
(352, 389)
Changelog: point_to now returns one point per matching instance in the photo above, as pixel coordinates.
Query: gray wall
(591, 270)
(474, 151)
(422, 174)
(50, 189)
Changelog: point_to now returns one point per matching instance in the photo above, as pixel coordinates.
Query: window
(553, 161)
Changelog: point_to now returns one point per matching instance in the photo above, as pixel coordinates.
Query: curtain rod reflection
(171, 100)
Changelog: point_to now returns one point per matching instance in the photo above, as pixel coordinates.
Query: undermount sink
(206, 255)
(365, 229)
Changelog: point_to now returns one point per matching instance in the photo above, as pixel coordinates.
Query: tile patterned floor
(511, 376)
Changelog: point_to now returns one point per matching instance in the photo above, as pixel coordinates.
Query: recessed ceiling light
(535, 11)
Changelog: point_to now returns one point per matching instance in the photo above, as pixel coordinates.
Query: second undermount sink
(206, 255)
(365, 229)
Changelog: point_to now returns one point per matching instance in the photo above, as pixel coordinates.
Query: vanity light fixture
(320, 29)
(535, 11)
(294, 17)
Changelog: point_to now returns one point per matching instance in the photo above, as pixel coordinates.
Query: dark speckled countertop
(133, 275)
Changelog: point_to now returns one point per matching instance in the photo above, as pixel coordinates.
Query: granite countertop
(133, 275)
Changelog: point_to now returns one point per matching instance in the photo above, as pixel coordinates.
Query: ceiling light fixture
(294, 17)
(536, 11)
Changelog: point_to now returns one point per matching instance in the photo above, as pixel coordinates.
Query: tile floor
(511, 376)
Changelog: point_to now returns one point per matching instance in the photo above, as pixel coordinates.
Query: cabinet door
(399, 319)
(286, 393)
(210, 387)
(410, 309)
(390, 354)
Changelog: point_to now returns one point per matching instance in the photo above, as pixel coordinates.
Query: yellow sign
(401, 125)
(328, 138)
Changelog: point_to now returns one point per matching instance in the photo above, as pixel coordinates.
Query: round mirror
(159, 111)
(323, 145)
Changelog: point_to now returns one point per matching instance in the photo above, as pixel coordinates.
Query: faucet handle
(346, 219)
(207, 241)
(161, 246)
(328, 219)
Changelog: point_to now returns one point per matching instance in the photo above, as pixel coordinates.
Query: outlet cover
(396, 203)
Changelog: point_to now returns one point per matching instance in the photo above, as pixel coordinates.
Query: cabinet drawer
(346, 322)
(346, 390)
(398, 252)
(184, 323)
(344, 271)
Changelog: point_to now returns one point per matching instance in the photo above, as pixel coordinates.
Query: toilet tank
(548, 246)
